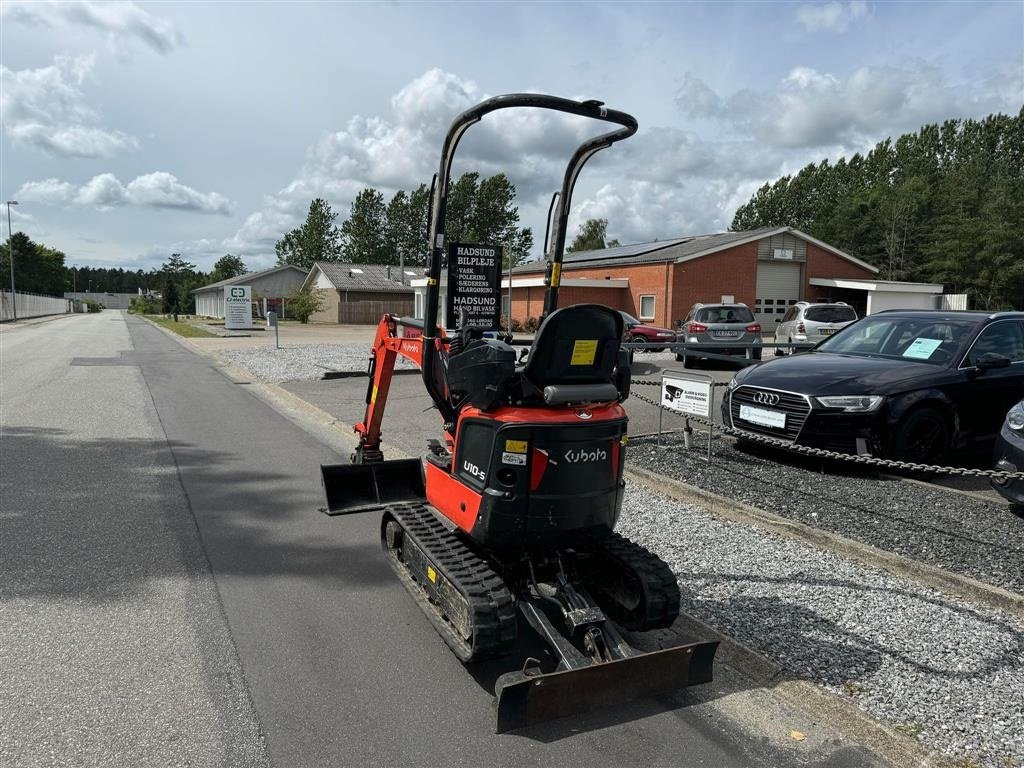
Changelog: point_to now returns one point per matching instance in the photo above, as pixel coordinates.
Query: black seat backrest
(575, 345)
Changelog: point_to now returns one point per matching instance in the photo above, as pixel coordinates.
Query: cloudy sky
(133, 130)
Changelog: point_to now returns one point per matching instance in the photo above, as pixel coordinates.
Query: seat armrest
(564, 394)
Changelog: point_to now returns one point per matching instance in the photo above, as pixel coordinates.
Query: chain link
(824, 453)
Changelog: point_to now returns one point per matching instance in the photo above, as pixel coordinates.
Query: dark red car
(642, 333)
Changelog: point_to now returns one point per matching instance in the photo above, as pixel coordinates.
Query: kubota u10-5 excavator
(513, 514)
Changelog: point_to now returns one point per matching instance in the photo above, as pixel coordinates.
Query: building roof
(876, 285)
(380, 278)
(248, 277)
(678, 250)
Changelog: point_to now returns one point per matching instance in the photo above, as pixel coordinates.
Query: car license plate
(725, 334)
(763, 417)
(826, 331)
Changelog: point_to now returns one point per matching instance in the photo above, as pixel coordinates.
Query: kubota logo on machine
(582, 455)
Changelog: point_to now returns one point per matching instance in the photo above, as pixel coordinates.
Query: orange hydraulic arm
(387, 346)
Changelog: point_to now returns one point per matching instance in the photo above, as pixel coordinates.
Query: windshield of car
(915, 339)
(725, 314)
(629, 319)
(830, 313)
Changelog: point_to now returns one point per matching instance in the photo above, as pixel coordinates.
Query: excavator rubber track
(464, 598)
(635, 587)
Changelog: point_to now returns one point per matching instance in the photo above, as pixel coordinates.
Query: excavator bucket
(528, 699)
(352, 488)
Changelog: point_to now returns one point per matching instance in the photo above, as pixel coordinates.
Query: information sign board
(474, 274)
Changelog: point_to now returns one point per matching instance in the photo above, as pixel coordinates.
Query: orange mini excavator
(512, 515)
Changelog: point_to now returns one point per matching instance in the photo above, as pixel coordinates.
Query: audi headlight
(852, 403)
(1015, 418)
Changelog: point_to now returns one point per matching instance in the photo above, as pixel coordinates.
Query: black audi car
(1009, 455)
(901, 384)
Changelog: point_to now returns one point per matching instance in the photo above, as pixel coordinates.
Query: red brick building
(766, 269)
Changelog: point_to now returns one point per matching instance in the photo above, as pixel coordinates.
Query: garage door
(778, 288)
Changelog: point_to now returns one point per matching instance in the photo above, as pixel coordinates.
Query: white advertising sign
(686, 396)
(238, 307)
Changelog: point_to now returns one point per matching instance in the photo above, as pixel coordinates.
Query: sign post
(474, 277)
(238, 307)
(272, 322)
(688, 393)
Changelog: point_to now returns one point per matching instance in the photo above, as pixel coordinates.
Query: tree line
(41, 269)
(944, 204)
(379, 231)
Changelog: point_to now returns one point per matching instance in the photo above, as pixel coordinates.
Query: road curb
(953, 584)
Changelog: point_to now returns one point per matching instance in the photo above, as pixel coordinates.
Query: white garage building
(271, 285)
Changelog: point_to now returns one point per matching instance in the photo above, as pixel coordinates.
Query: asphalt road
(169, 595)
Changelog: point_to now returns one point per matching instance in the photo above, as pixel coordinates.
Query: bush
(532, 323)
(302, 304)
(145, 305)
(93, 306)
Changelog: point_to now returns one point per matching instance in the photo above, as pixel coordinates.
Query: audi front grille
(796, 407)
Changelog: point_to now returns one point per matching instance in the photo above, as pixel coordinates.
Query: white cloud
(49, 191)
(809, 108)
(47, 109)
(163, 190)
(834, 16)
(119, 21)
(402, 150)
(105, 191)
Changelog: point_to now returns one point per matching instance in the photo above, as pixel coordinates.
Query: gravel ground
(945, 672)
(971, 536)
(303, 362)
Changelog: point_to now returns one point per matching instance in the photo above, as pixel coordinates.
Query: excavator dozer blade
(533, 699)
(352, 488)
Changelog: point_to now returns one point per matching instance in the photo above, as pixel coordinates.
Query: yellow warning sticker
(432, 575)
(556, 276)
(515, 446)
(373, 395)
(583, 352)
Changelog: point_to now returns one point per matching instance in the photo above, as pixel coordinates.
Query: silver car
(809, 323)
(731, 324)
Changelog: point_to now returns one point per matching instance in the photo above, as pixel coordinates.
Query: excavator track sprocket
(464, 598)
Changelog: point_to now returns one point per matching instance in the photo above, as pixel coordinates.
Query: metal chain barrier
(824, 453)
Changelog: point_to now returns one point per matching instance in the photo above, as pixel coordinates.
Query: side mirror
(992, 360)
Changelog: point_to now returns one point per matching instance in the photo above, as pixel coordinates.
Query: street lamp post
(10, 257)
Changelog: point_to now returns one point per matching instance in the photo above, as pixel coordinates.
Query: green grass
(180, 328)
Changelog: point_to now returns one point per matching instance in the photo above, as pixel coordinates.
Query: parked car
(809, 322)
(1009, 455)
(903, 384)
(642, 333)
(732, 324)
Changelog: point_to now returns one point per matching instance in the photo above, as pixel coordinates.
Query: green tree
(37, 268)
(302, 304)
(405, 227)
(179, 278)
(364, 233)
(171, 298)
(227, 266)
(591, 236)
(318, 239)
(943, 204)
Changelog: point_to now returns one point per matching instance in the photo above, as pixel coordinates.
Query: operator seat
(576, 358)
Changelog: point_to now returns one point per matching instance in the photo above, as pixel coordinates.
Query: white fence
(32, 305)
(948, 301)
